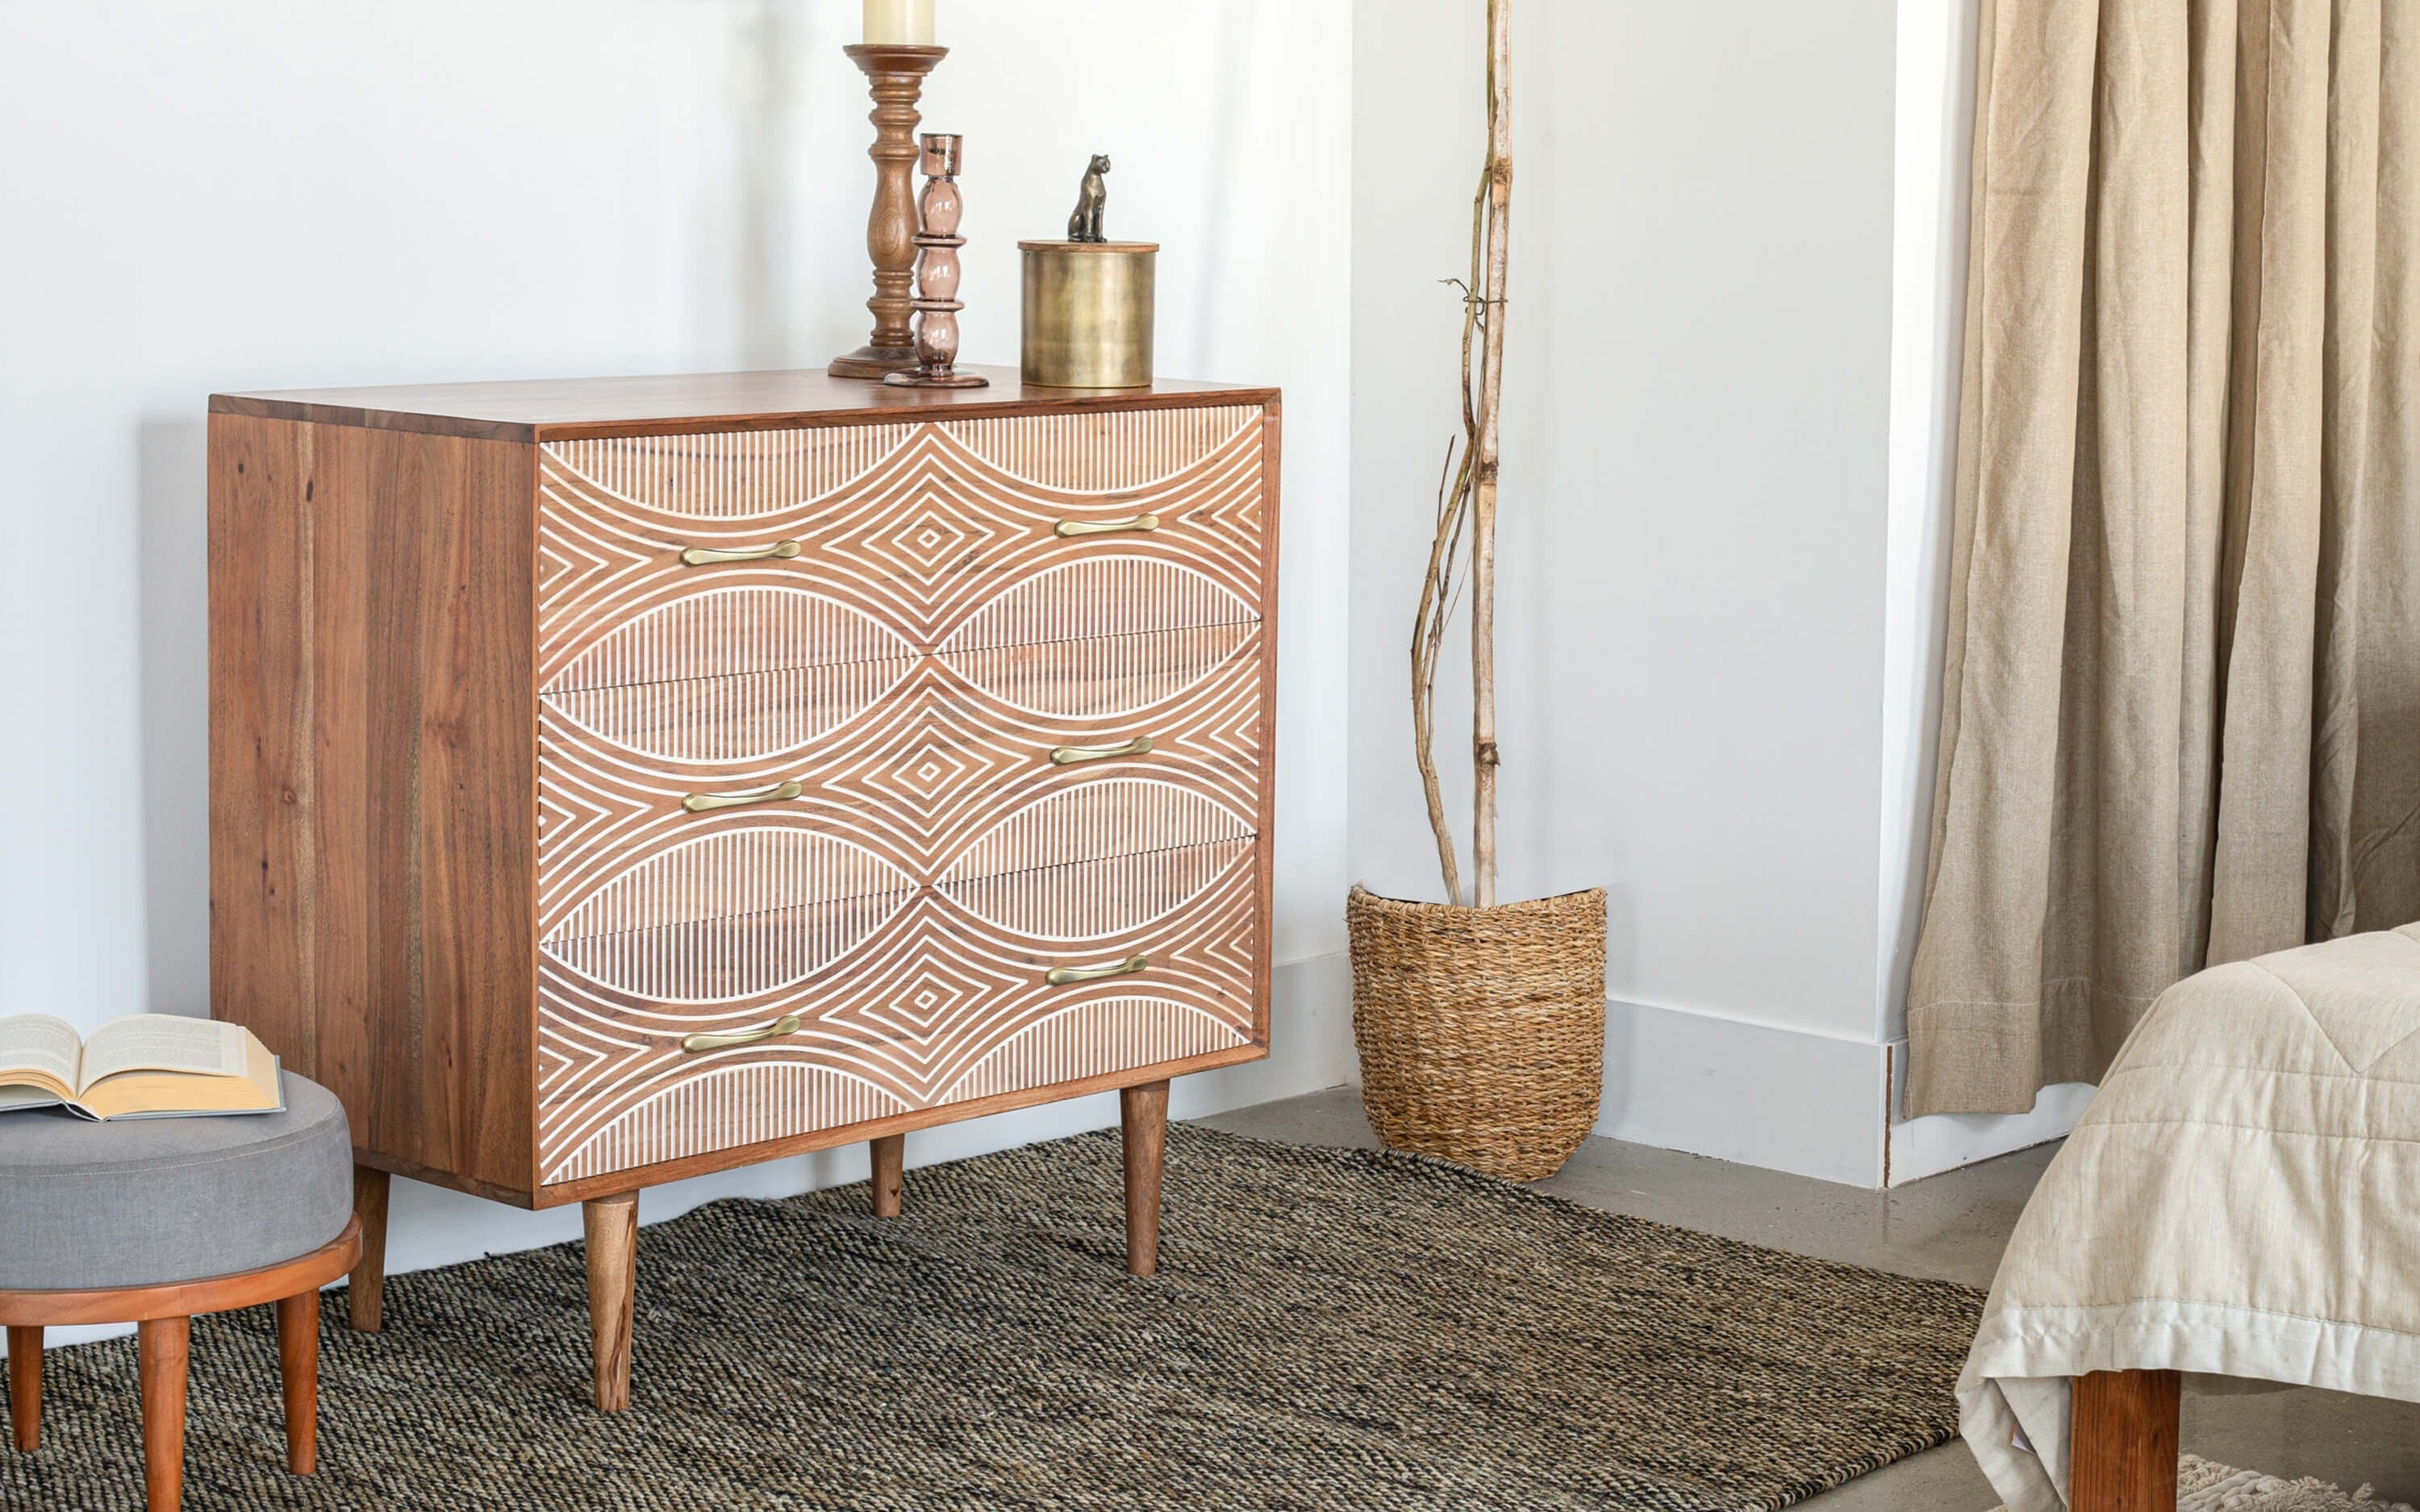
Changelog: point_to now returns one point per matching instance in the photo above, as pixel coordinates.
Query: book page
(35, 1046)
(164, 1042)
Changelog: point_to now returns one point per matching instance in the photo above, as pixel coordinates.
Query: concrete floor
(1950, 1228)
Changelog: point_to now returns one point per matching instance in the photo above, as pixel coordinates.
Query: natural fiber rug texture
(2203, 1486)
(1330, 1329)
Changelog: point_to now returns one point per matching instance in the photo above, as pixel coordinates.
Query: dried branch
(1466, 511)
(1498, 229)
(1437, 595)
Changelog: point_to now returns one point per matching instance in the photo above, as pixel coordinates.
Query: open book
(150, 1066)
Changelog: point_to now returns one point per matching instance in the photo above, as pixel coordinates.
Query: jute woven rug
(1330, 1329)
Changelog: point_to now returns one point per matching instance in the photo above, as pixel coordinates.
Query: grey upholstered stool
(152, 1220)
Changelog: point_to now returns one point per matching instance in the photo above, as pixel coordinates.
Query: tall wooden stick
(1458, 491)
(1483, 757)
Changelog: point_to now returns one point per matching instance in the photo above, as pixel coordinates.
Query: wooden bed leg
(889, 1160)
(368, 1294)
(1144, 1115)
(2122, 1448)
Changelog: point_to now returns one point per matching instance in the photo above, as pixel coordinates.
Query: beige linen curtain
(2180, 716)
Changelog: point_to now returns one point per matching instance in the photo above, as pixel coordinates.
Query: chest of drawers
(616, 781)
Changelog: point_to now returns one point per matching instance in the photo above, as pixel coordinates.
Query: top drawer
(669, 557)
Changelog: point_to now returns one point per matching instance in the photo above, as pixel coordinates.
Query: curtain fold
(2181, 720)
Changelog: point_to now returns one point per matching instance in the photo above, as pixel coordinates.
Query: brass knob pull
(698, 556)
(707, 802)
(1106, 527)
(1069, 976)
(1070, 755)
(698, 1044)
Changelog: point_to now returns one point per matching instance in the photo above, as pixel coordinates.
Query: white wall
(269, 193)
(1697, 438)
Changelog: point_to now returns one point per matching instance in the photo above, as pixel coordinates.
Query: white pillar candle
(899, 22)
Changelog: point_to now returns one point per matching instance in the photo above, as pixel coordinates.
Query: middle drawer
(665, 804)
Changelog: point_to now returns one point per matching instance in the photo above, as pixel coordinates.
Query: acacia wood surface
(1142, 1119)
(372, 778)
(2123, 1450)
(889, 1153)
(611, 1224)
(162, 1345)
(381, 885)
(26, 1387)
(367, 1294)
(559, 409)
(184, 1299)
(298, 1370)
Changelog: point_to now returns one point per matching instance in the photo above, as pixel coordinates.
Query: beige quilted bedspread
(2242, 1200)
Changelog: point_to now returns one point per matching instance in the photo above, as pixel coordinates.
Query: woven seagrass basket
(1482, 1030)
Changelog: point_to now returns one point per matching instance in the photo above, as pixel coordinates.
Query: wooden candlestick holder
(895, 78)
(937, 274)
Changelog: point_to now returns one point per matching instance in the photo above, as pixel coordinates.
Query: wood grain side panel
(374, 777)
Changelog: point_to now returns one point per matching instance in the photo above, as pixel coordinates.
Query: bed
(2240, 1205)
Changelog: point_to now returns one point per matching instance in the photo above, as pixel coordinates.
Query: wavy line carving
(911, 667)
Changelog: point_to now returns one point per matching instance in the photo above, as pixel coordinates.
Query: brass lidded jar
(1088, 312)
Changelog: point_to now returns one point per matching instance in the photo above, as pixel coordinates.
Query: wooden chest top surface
(543, 410)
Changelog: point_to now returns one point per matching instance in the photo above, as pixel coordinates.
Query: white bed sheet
(2241, 1201)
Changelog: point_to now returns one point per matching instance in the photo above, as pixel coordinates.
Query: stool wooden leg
(298, 1368)
(2123, 1450)
(1143, 1114)
(25, 1386)
(161, 1344)
(613, 1224)
(369, 1276)
(889, 1161)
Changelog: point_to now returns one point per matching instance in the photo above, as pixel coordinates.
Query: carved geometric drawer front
(908, 1002)
(929, 712)
(895, 539)
(932, 775)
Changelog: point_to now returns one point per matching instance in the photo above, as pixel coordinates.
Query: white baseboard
(1945, 1141)
(1759, 1094)
(1311, 1048)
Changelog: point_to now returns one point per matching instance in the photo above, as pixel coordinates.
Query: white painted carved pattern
(920, 542)
(911, 667)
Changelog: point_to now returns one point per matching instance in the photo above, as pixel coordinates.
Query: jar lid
(1089, 246)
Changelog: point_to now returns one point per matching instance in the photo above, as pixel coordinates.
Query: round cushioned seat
(146, 1202)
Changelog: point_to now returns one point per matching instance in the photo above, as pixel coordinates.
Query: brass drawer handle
(707, 802)
(1106, 527)
(1070, 755)
(1069, 976)
(698, 1044)
(698, 556)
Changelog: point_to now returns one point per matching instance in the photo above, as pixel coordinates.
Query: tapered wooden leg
(2123, 1447)
(1143, 1113)
(889, 1161)
(612, 1225)
(370, 1276)
(298, 1367)
(25, 1386)
(161, 1344)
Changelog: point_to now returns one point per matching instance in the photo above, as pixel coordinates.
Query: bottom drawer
(948, 994)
